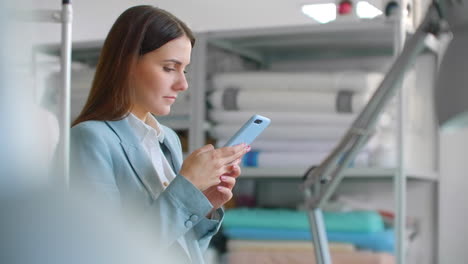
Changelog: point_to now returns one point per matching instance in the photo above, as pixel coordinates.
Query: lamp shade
(451, 94)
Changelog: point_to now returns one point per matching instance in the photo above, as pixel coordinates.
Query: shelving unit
(366, 39)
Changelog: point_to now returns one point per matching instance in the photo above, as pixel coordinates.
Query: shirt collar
(145, 129)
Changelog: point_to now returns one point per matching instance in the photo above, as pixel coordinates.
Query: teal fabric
(376, 241)
(354, 221)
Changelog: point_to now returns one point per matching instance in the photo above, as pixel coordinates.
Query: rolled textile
(303, 118)
(262, 245)
(289, 159)
(307, 257)
(283, 159)
(288, 101)
(284, 132)
(289, 145)
(383, 241)
(296, 145)
(358, 81)
(352, 221)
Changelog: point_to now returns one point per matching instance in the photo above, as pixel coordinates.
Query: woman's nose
(181, 84)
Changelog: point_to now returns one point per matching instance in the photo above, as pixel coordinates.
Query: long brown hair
(137, 31)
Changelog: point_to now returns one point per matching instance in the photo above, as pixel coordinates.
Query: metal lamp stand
(321, 182)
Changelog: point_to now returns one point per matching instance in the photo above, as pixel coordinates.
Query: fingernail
(248, 148)
(219, 188)
(223, 178)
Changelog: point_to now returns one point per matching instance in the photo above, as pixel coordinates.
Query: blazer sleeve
(206, 228)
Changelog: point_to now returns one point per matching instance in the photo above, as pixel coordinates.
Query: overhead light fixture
(366, 10)
(322, 13)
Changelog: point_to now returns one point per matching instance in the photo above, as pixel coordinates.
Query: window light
(366, 10)
(323, 13)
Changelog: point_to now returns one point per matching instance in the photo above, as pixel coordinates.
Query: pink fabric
(307, 257)
(269, 246)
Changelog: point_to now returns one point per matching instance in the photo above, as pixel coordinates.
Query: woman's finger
(233, 171)
(229, 154)
(237, 162)
(204, 149)
(227, 193)
(228, 181)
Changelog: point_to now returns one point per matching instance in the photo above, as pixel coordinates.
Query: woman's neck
(142, 115)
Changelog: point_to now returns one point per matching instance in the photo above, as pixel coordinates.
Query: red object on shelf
(345, 7)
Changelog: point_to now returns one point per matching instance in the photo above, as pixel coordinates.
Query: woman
(120, 151)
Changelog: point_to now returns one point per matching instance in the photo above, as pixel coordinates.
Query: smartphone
(249, 131)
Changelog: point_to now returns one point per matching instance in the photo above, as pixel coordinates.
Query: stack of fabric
(81, 81)
(310, 112)
(283, 236)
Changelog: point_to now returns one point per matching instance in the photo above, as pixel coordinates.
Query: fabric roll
(284, 132)
(282, 257)
(282, 159)
(303, 118)
(289, 145)
(357, 81)
(232, 99)
(294, 246)
(353, 221)
(383, 241)
(299, 160)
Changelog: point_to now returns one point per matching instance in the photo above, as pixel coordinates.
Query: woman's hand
(205, 165)
(219, 194)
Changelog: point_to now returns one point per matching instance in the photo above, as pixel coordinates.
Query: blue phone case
(249, 131)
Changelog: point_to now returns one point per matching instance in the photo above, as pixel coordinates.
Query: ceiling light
(323, 13)
(366, 10)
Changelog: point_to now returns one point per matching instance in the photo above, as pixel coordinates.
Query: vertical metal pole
(197, 95)
(322, 252)
(400, 174)
(319, 235)
(65, 67)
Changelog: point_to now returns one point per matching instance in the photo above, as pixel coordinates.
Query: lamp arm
(329, 172)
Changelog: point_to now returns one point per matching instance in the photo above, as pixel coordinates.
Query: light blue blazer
(107, 157)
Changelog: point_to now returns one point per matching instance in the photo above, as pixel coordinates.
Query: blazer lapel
(137, 157)
(176, 160)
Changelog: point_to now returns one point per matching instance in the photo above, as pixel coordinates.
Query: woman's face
(159, 76)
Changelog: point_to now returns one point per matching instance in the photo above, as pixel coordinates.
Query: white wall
(453, 211)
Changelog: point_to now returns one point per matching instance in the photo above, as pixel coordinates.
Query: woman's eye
(168, 69)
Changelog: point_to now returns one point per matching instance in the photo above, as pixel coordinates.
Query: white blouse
(150, 135)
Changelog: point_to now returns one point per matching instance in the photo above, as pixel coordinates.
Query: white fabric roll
(239, 117)
(285, 101)
(284, 132)
(310, 145)
(290, 145)
(310, 81)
